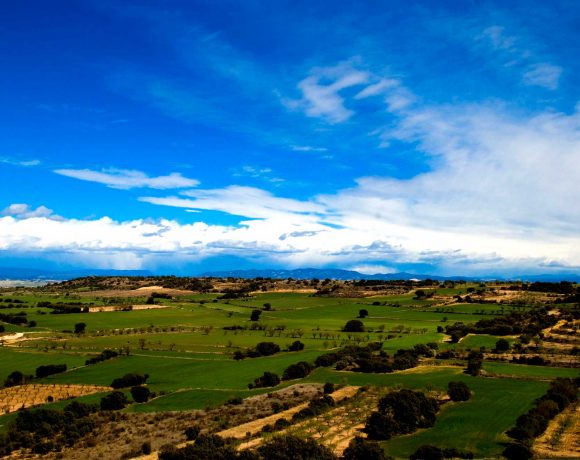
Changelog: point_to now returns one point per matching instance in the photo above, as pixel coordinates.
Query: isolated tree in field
(458, 391)
(140, 394)
(255, 316)
(297, 345)
(502, 345)
(363, 313)
(114, 401)
(354, 325)
(267, 306)
(80, 328)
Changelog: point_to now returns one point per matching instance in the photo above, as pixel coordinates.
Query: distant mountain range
(338, 274)
(54, 275)
(300, 273)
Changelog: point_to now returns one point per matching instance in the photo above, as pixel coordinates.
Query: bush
(129, 380)
(140, 394)
(458, 391)
(80, 328)
(114, 401)
(354, 325)
(255, 316)
(363, 313)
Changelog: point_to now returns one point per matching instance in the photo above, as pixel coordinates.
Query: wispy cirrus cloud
(243, 201)
(533, 70)
(128, 179)
(321, 90)
(19, 162)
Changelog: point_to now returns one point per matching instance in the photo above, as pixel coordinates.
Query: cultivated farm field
(186, 347)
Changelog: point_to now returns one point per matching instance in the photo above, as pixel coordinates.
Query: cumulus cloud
(24, 211)
(501, 195)
(127, 179)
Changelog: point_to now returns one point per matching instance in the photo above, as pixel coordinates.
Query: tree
(267, 348)
(401, 412)
(427, 452)
(49, 369)
(191, 433)
(502, 345)
(328, 388)
(129, 380)
(354, 325)
(140, 394)
(80, 328)
(517, 452)
(297, 371)
(255, 316)
(363, 313)
(291, 447)
(474, 363)
(114, 401)
(15, 378)
(297, 345)
(268, 379)
(458, 391)
(267, 306)
(361, 449)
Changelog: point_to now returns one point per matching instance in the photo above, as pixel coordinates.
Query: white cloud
(377, 88)
(127, 179)
(373, 269)
(321, 92)
(23, 211)
(249, 202)
(546, 75)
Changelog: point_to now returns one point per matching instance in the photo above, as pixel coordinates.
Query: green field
(188, 355)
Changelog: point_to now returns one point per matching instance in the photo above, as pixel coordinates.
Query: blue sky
(180, 136)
